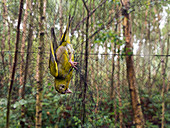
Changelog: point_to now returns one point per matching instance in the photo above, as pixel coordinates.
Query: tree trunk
(4, 15)
(44, 13)
(105, 49)
(164, 65)
(9, 45)
(4, 30)
(22, 88)
(167, 53)
(86, 64)
(149, 57)
(118, 80)
(81, 57)
(143, 62)
(90, 50)
(40, 66)
(118, 91)
(97, 75)
(163, 86)
(135, 100)
(93, 73)
(14, 65)
(113, 86)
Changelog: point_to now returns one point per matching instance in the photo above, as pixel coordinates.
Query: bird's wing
(53, 62)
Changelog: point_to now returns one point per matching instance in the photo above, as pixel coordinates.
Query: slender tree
(4, 31)
(22, 88)
(163, 86)
(135, 100)
(105, 48)
(4, 15)
(14, 65)
(29, 47)
(118, 77)
(96, 62)
(86, 61)
(113, 85)
(163, 72)
(40, 66)
(149, 49)
(166, 63)
(9, 45)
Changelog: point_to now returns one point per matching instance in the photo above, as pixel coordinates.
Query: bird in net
(61, 62)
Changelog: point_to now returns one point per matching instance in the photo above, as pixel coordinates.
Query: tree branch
(87, 16)
(85, 6)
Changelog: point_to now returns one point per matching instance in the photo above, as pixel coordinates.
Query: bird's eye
(62, 86)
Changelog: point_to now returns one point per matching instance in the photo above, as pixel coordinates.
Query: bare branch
(86, 6)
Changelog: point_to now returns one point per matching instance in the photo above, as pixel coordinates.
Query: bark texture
(40, 66)
(135, 100)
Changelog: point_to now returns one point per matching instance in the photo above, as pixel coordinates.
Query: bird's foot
(68, 91)
(73, 64)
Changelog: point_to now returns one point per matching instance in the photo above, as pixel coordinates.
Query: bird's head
(61, 86)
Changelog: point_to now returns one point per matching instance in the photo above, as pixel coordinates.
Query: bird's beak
(68, 91)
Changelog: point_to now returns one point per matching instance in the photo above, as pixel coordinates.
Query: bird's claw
(68, 91)
(73, 64)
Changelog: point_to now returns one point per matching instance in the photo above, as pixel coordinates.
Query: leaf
(130, 53)
(49, 95)
(130, 10)
(46, 104)
(58, 110)
(100, 24)
(49, 84)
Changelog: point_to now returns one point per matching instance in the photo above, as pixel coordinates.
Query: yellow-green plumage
(59, 64)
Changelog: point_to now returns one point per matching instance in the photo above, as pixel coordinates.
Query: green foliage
(77, 121)
(110, 37)
(150, 125)
(3, 103)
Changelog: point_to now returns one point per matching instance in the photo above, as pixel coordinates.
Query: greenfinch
(61, 63)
